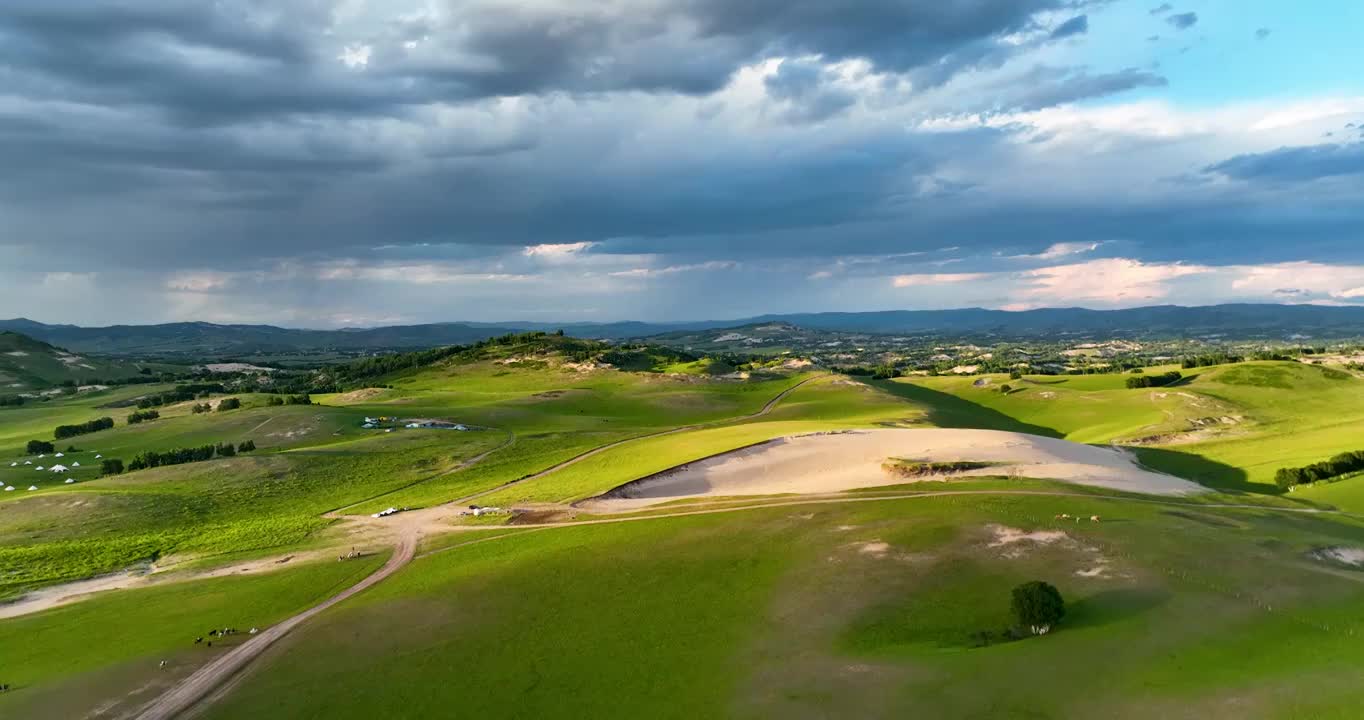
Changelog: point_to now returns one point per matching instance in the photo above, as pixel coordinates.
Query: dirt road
(208, 678)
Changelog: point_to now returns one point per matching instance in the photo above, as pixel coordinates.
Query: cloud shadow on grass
(1206, 472)
(950, 411)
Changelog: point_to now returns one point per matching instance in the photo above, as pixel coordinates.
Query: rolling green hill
(866, 603)
(28, 365)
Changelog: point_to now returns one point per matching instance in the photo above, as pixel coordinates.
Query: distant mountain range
(1167, 321)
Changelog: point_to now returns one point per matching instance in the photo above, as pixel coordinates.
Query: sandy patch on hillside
(357, 395)
(1005, 535)
(834, 462)
(1345, 555)
(237, 367)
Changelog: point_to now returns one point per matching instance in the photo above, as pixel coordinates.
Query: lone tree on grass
(1037, 606)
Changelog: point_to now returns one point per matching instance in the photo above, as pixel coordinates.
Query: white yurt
(57, 468)
(69, 481)
(32, 487)
(9, 489)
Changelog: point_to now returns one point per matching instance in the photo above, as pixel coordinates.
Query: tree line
(277, 400)
(180, 456)
(1148, 381)
(180, 394)
(1342, 464)
(141, 416)
(65, 431)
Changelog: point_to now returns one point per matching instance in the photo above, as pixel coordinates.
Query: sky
(334, 163)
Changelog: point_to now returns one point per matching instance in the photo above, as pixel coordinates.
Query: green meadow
(867, 608)
(856, 609)
(71, 660)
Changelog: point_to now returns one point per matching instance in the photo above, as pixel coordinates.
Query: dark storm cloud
(809, 89)
(211, 63)
(1077, 25)
(1183, 21)
(1295, 164)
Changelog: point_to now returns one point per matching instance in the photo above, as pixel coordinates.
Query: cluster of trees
(39, 447)
(1148, 381)
(139, 416)
(880, 372)
(201, 408)
(1199, 361)
(358, 370)
(229, 404)
(11, 401)
(65, 431)
(181, 394)
(180, 456)
(276, 400)
(1342, 464)
(112, 466)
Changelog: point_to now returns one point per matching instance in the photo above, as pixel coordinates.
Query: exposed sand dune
(834, 462)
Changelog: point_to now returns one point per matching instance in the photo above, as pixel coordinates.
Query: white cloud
(198, 281)
(1060, 250)
(1306, 280)
(915, 280)
(355, 56)
(416, 274)
(556, 251)
(673, 269)
(1111, 281)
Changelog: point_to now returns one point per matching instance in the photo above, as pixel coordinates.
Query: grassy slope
(64, 662)
(823, 404)
(217, 508)
(780, 613)
(27, 364)
(315, 458)
(1290, 414)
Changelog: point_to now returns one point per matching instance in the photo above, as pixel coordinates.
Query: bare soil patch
(836, 462)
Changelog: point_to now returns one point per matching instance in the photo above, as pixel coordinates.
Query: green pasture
(856, 609)
(68, 661)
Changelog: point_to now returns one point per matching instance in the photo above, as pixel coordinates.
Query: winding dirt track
(207, 678)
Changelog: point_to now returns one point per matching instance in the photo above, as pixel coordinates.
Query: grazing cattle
(163, 663)
(1094, 518)
(198, 640)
